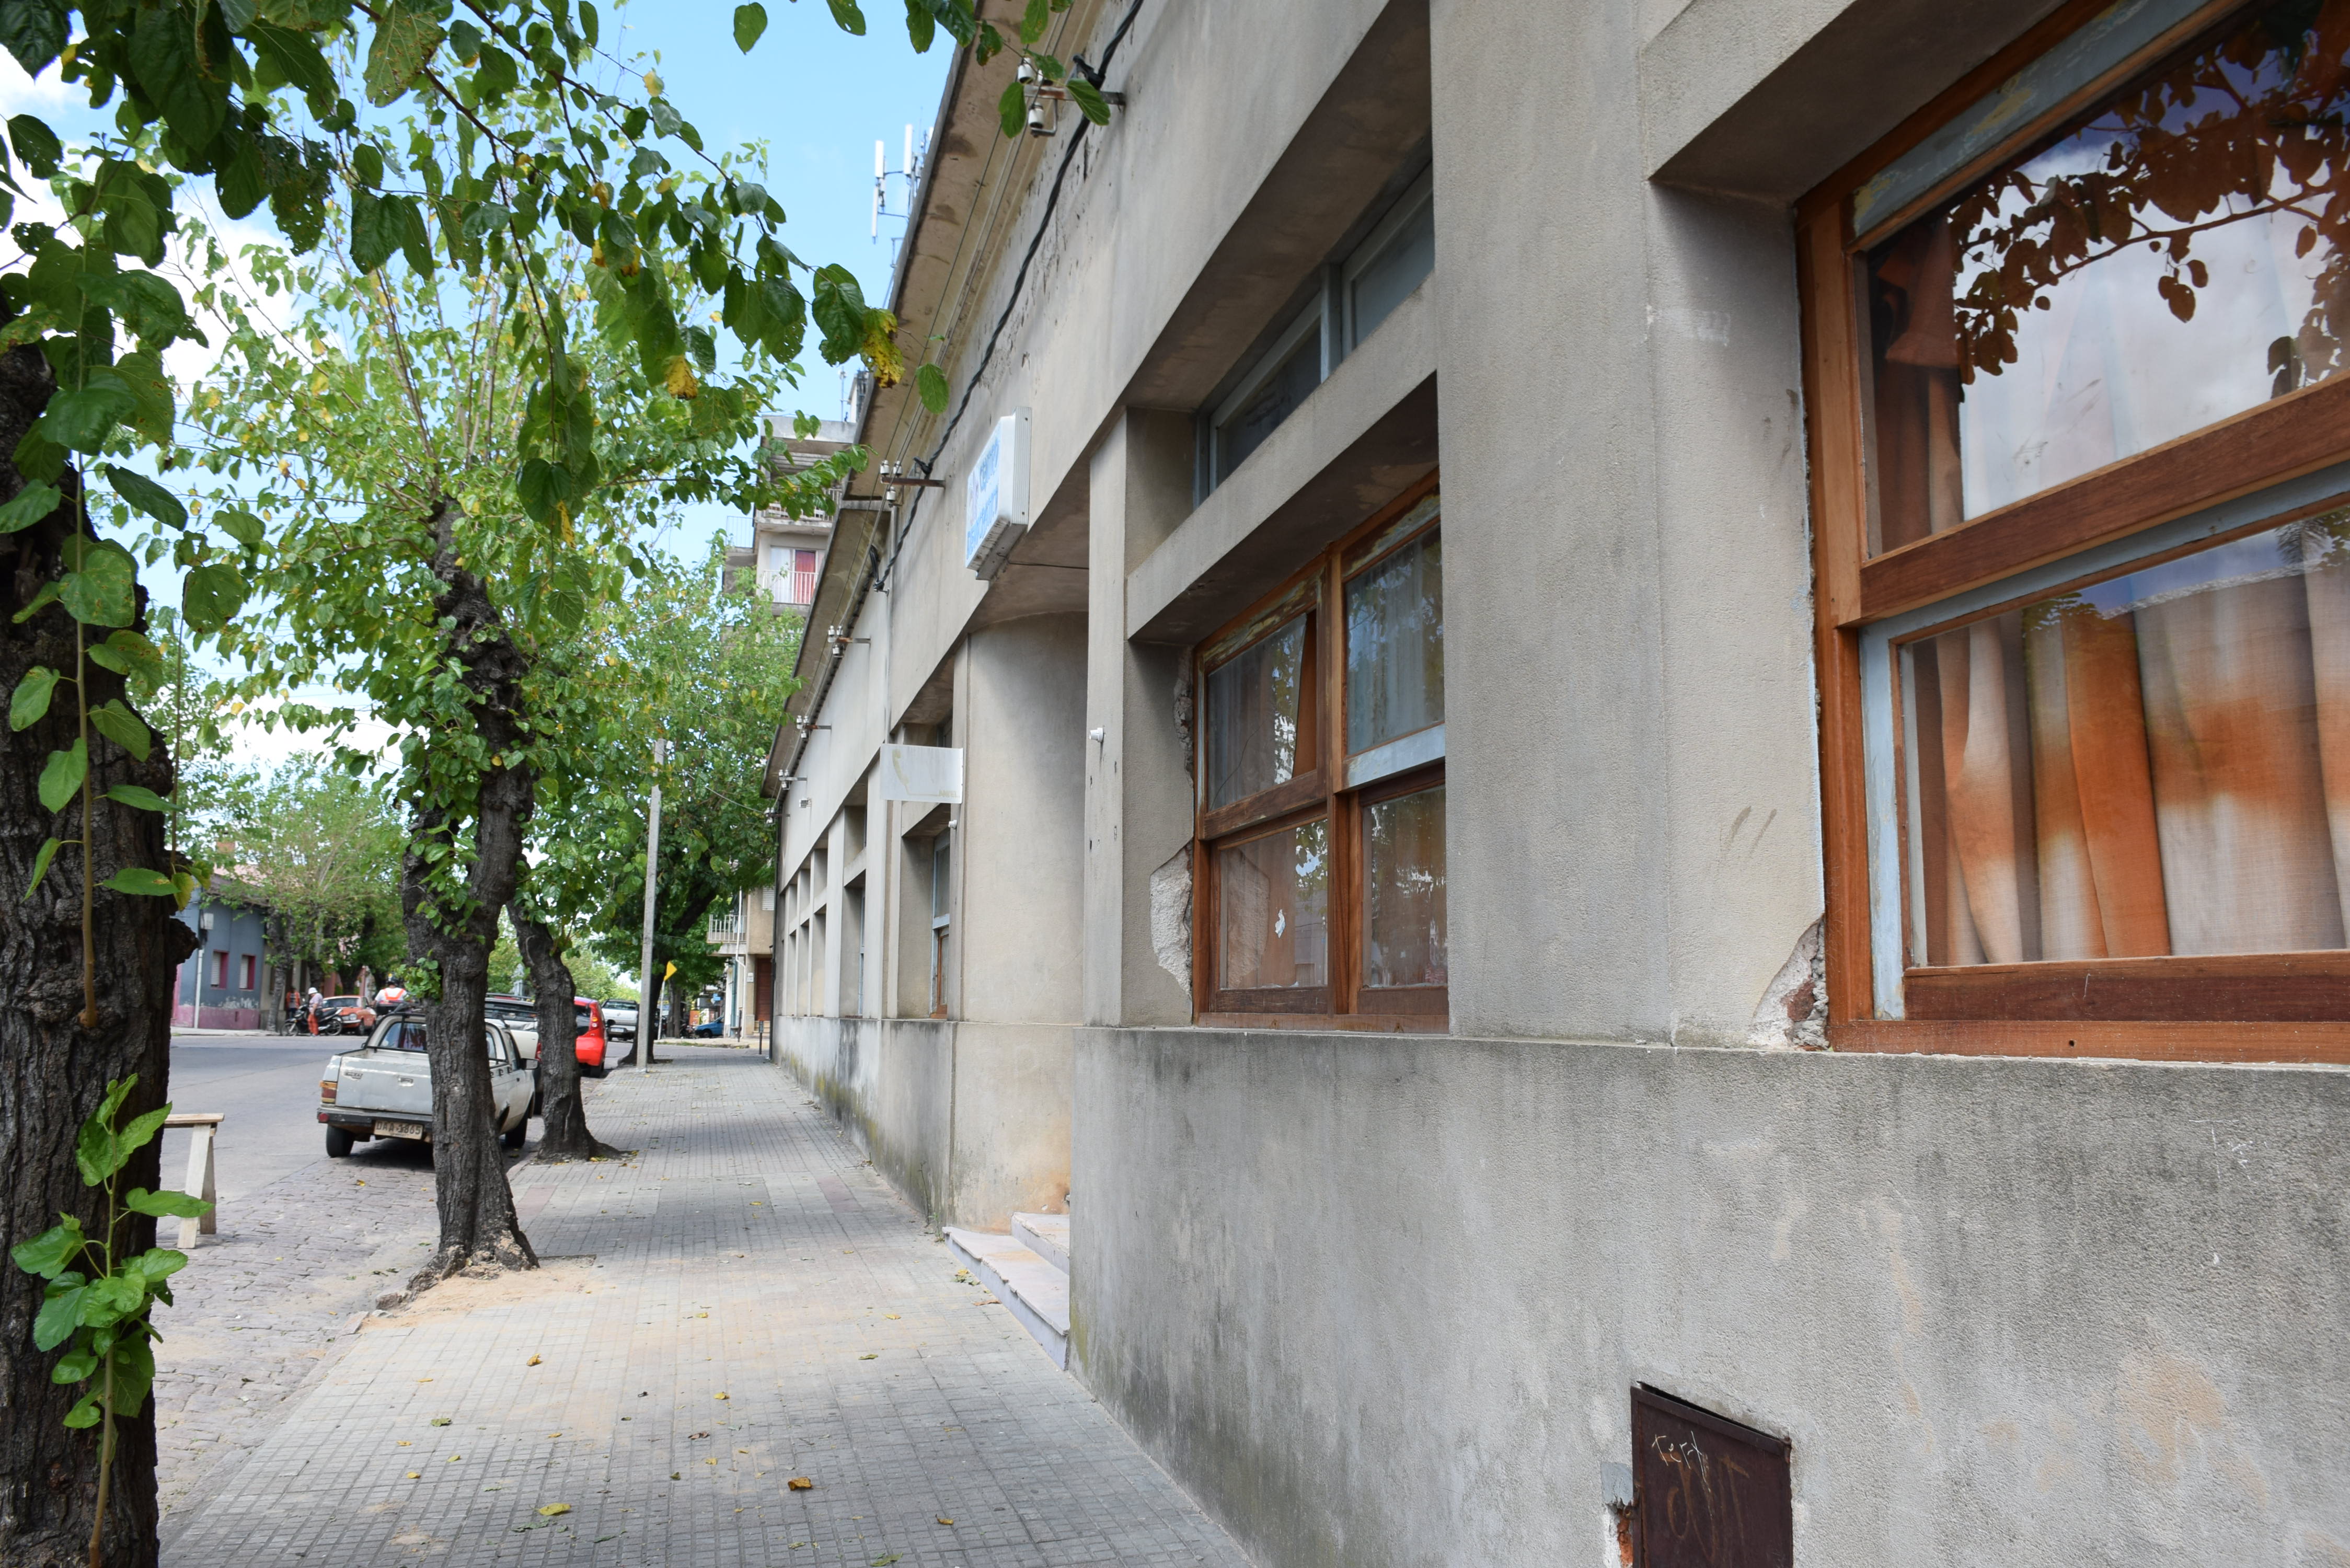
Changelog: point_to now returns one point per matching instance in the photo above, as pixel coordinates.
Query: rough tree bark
(54, 1068)
(479, 1231)
(564, 1133)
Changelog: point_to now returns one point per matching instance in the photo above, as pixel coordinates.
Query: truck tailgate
(397, 1083)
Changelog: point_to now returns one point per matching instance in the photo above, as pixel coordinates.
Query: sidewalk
(744, 1303)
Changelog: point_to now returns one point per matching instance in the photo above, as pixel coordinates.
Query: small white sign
(995, 497)
(931, 774)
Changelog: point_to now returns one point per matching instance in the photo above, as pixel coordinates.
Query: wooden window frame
(1320, 794)
(2269, 1007)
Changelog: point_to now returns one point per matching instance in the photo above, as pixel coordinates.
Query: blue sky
(819, 98)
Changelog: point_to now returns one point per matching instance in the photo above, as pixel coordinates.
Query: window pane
(2158, 763)
(1254, 707)
(2177, 259)
(1273, 895)
(1388, 282)
(1395, 646)
(1246, 430)
(1403, 890)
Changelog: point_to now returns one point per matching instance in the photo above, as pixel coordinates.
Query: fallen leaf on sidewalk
(944, 1520)
(801, 1483)
(721, 1395)
(552, 1508)
(870, 1355)
(416, 1475)
(885, 1562)
(454, 1457)
(695, 1437)
(440, 1421)
(405, 1443)
(677, 1475)
(532, 1361)
(890, 1314)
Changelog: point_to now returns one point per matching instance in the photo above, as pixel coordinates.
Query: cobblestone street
(741, 1304)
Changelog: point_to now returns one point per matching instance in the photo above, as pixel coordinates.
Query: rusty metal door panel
(1708, 1493)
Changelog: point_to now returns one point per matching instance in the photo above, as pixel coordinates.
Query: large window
(2083, 477)
(1321, 826)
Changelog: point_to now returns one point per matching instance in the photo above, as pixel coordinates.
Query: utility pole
(645, 1023)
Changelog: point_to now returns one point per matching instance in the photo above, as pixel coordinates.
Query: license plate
(400, 1129)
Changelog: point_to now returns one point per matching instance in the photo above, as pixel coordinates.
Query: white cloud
(20, 93)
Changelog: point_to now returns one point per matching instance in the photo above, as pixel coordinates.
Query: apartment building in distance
(1820, 530)
(785, 553)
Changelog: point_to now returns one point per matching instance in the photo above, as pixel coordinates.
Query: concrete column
(1137, 775)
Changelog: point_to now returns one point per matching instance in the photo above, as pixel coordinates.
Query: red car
(593, 1042)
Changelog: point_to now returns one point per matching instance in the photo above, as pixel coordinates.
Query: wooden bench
(202, 1126)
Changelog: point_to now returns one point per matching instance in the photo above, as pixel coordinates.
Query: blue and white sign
(995, 497)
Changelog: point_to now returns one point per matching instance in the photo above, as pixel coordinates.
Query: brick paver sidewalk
(744, 1303)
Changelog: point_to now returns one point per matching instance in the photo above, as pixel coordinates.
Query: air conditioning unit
(995, 497)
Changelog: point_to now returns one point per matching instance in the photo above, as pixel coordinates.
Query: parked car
(521, 1019)
(345, 1015)
(597, 1053)
(713, 1030)
(620, 1019)
(384, 1089)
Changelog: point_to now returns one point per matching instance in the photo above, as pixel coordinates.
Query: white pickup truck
(385, 1089)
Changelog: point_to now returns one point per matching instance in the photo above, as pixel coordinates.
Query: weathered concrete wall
(1381, 1301)
(969, 1121)
(1011, 1111)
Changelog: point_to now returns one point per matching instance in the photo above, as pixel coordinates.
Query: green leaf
(140, 798)
(143, 1129)
(1011, 109)
(241, 527)
(103, 588)
(921, 27)
(49, 1253)
(36, 144)
(750, 21)
(143, 494)
(405, 36)
(931, 382)
(132, 656)
(32, 697)
(840, 310)
(58, 1318)
(85, 1414)
(63, 775)
(141, 375)
(109, 1298)
(366, 165)
(75, 1366)
(1033, 21)
(376, 229)
(79, 420)
(1089, 100)
(40, 601)
(124, 728)
(147, 303)
(173, 1205)
(41, 863)
(34, 31)
(137, 879)
(29, 505)
(134, 1373)
(170, 69)
(850, 19)
(211, 596)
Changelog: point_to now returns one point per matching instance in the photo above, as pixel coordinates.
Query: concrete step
(1036, 1291)
(1046, 1235)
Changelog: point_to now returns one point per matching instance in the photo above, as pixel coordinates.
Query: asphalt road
(268, 1086)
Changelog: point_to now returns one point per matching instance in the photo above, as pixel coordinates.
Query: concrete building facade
(1799, 526)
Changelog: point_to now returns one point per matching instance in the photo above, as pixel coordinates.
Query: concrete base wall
(969, 1121)
(1380, 1300)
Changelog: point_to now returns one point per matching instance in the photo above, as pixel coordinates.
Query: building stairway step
(1031, 1286)
(1046, 1235)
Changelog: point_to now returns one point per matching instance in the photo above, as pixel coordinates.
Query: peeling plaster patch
(1793, 1011)
(1170, 916)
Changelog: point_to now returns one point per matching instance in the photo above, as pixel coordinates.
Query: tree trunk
(53, 1066)
(452, 920)
(564, 1133)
